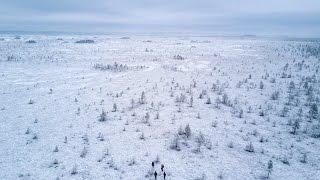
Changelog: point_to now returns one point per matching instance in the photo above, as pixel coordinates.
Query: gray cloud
(272, 17)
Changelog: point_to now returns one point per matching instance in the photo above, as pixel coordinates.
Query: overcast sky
(224, 17)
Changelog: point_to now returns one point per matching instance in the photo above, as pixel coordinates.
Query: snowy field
(105, 107)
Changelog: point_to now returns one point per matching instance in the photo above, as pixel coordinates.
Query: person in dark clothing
(155, 174)
(162, 166)
(152, 164)
(164, 175)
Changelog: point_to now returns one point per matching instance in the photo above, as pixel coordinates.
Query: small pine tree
(220, 175)
(84, 152)
(142, 137)
(249, 147)
(275, 95)
(291, 87)
(132, 103)
(198, 116)
(200, 140)
(304, 158)
(225, 99)
(230, 144)
(315, 130)
(313, 112)
(56, 149)
(175, 144)
(147, 117)
(191, 101)
(100, 136)
(31, 101)
(214, 124)
(208, 101)
(261, 85)
(115, 108)
(295, 126)
(103, 116)
(270, 168)
(142, 99)
(187, 130)
(74, 170)
(200, 95)
(55, 162)
(240, 113)
(284, 111)
(249, 109)
(180, 131)
(35, 137)
(28, 131)
(217, 103)
(157, 116)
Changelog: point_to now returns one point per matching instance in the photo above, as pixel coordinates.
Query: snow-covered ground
(232, 92)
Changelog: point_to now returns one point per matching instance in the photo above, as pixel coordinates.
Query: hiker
(151, 171)
(164, 175)
(162, 166)
(155, 174)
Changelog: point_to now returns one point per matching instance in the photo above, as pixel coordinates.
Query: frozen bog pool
(247, 101)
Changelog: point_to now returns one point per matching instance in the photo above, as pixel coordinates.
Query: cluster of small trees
(31, 41)
(178, 57)
(85, 41)
(184, 134)
(111, 67)
(175, 143)
(13, 58)
(116, 67)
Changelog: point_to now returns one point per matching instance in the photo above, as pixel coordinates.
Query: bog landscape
(203, 107)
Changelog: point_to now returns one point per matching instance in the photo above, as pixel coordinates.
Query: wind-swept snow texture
(204, 107)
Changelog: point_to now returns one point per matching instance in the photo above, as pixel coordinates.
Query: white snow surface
(79, 93)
